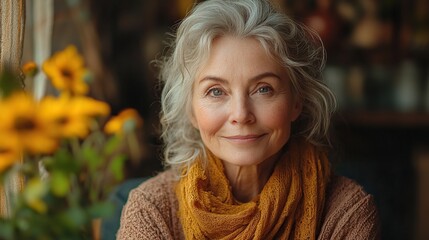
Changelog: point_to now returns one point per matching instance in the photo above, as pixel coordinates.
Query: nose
(241, 111)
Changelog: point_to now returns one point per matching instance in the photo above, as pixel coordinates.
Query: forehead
(239, 56)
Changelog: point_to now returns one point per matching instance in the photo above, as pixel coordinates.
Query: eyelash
(221, 92)
(211, 90)
(269, 89)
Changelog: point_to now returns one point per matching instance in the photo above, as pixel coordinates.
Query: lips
(245, 138)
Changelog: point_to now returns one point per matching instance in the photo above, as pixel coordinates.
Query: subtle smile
(245, 138)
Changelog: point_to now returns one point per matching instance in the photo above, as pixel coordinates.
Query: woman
(245, 119)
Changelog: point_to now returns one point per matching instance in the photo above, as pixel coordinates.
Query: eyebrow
(255, 78)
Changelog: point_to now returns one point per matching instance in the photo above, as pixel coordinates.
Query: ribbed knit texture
(151, 211)
(288, 207)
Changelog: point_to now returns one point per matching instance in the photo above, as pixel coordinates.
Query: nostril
(241, 111)
(242, 116)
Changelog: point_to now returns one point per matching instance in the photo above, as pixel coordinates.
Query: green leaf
(9, 82)
(116, 167)
(60, 183)
(74, 217)
(6, 230)
(33, 194)
(65, 161)
(23, 224)
(93, 159)
(101, 210)
(112, 144)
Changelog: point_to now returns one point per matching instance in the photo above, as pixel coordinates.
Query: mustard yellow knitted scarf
(289, 206)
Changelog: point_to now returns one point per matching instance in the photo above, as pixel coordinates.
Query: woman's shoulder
(345, 190)
(350, 212)
(150, 212)
(161, 185)
(157, 192)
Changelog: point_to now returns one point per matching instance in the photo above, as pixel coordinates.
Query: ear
(296, 108)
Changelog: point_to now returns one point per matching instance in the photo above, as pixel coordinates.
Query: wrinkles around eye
(265, 90)
(215, 92)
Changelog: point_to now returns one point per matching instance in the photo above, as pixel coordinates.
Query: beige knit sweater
(151, 211)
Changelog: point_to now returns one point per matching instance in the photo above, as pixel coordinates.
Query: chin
(246, 159)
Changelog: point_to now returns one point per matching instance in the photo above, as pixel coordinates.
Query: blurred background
(378, 67)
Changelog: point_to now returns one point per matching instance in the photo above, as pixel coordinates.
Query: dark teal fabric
(119, 197)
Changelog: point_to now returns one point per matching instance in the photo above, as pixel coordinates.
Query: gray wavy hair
(299, 49)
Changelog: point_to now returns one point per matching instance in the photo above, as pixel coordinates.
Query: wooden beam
(12, 24)
(12, 13)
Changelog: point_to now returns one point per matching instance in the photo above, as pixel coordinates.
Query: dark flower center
(62, 121)
(67, 74)
(23, 124)
(4, 151)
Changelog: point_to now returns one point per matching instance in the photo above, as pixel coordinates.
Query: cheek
(277, 116)
(208, 120)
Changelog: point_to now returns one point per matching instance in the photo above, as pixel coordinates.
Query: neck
(248, 181)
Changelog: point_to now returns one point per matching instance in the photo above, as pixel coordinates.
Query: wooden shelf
(383, 119)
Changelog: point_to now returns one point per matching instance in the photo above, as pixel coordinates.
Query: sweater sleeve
(148, 213)
(350, 213)
(142, 220)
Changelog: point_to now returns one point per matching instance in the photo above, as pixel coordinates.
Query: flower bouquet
(60, 156)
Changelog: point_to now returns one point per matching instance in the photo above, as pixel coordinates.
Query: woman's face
(242, 102)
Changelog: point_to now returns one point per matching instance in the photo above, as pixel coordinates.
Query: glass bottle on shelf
(407, 87)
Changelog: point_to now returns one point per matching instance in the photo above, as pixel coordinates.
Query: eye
(264, 90)
(215, 92)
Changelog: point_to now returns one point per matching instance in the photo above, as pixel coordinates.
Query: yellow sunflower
(64, 122)
(9, 150)
(66, 71)
(119, 123)
(70, 116)
(30, 69)
(19, 119)
(89, 107)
